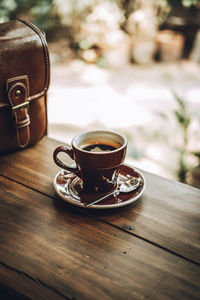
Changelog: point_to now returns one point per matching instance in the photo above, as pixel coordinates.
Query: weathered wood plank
(168, 214)
(59, 250)
(16, 285)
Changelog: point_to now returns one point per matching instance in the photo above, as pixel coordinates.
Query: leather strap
(18, 93)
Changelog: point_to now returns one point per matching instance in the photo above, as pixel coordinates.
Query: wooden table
(149, 249)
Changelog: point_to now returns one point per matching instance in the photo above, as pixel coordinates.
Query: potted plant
(188, 170)
(141, 26)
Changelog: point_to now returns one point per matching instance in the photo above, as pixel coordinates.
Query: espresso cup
(98, 156)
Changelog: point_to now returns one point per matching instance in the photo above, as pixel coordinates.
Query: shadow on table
(7, 294)
(61, 205)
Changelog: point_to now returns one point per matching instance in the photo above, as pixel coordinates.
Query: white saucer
(69, 187)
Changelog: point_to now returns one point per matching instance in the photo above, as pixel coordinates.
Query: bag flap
(23, 52)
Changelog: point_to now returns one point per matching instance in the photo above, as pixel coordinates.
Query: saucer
(68, 186)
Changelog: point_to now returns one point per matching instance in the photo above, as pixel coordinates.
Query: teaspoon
(127, 186)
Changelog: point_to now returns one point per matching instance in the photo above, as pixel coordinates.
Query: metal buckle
(19, 106)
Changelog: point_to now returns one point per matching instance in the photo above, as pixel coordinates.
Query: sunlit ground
(135, 100)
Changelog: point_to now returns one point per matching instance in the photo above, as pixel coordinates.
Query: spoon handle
(102, 198)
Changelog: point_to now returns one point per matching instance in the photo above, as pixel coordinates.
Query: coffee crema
(100, 146)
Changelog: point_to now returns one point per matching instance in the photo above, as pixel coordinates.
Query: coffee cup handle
(63, 165)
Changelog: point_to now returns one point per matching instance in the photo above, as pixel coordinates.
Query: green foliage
(38, 11)
(182, 115)
(69, 18)
(178, 3)
(184, 119)
(182, 166)
(189, 3)
(197, 154)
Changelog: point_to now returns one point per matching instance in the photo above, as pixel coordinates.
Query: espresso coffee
(99, 148)
(99, 145)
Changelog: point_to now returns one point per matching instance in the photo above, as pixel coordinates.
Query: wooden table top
(49, 249)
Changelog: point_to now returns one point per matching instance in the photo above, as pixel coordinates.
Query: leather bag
(24, 81)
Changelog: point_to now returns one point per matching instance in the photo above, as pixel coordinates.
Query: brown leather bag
(24, 81)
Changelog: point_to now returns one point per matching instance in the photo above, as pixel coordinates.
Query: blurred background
(130, 66)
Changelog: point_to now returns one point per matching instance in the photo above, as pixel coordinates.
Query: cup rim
(103, 132)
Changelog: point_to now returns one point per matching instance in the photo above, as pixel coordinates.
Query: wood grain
(171, 220)
(167, 215)
(51, 250)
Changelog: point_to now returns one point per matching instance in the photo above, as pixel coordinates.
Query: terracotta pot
(170, 45)
(193, 177)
